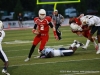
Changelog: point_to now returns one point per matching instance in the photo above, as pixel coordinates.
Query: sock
(95, 44)
(31, 51)
(73, 44)
(87, 43)
(98, 46)
(5, 68)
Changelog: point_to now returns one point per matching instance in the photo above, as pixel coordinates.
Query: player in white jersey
(3, 56)
(51, 52)
(93, 23)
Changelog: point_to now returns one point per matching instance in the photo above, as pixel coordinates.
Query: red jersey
(43, 25)
(78, 22)
(75, 20)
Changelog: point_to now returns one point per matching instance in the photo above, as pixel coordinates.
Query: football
(74, 26)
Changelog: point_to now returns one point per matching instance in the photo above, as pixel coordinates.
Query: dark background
(30, 5)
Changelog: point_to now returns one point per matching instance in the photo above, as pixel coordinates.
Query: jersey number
(41, 27)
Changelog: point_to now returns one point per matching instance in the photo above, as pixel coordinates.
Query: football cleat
(81, 44)
(27, 59)
(98, 52)
(75, 41)
(5, 72)
(84, 47)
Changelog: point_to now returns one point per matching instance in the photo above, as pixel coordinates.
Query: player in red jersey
(41, 29)
(82, 30)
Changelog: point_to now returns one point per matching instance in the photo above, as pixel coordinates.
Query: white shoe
(5, 72)
(98, 52)
(81, 44)
(75, 41)
(27, 59)
(84, 47)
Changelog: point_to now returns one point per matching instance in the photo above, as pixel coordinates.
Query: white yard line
(53, 62)
(67, 72)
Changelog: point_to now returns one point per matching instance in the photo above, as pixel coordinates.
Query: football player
(93, 23)
(51, 52)
(81, 30)
(41, 29)
(3, 56)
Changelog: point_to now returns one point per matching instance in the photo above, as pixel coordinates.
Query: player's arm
(54, 30)
(62, 18)
(51, 24)
(34, 30)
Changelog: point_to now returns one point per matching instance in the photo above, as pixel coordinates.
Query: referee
(57, 19)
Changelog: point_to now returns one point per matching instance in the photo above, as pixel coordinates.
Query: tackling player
(41, 29)
(2, 54)
(93, 23)
(80, 30)
(51, 52)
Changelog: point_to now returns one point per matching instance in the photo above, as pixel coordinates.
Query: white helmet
(75, 27)
(42, 13)
(1, 25)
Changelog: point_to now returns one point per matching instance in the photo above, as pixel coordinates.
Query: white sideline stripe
(52, 62)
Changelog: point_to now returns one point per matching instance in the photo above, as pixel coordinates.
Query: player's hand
(35, 32)
(56, 37)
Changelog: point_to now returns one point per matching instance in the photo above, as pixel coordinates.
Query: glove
(55, 35)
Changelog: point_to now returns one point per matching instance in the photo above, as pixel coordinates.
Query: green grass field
(17, 44)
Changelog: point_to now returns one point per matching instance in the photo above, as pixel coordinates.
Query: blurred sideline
(13, 25)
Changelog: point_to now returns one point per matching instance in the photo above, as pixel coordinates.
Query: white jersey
(92, 20)
(56, 52)
(2, 35)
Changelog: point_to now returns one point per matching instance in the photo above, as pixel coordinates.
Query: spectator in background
(20, 19)
(57, 19)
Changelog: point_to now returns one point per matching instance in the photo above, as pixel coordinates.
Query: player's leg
(74, 43)
(35, 42)
(77, 45)
(98, 36)
(5, 60)
(43, 42)
(86, 34)
(58, 31)
(63, 52)
(86, 45)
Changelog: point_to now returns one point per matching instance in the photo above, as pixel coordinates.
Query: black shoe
(81, 44)
(75, 41)
(59, 38)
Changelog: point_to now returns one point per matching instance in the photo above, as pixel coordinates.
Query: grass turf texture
(17, 44)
